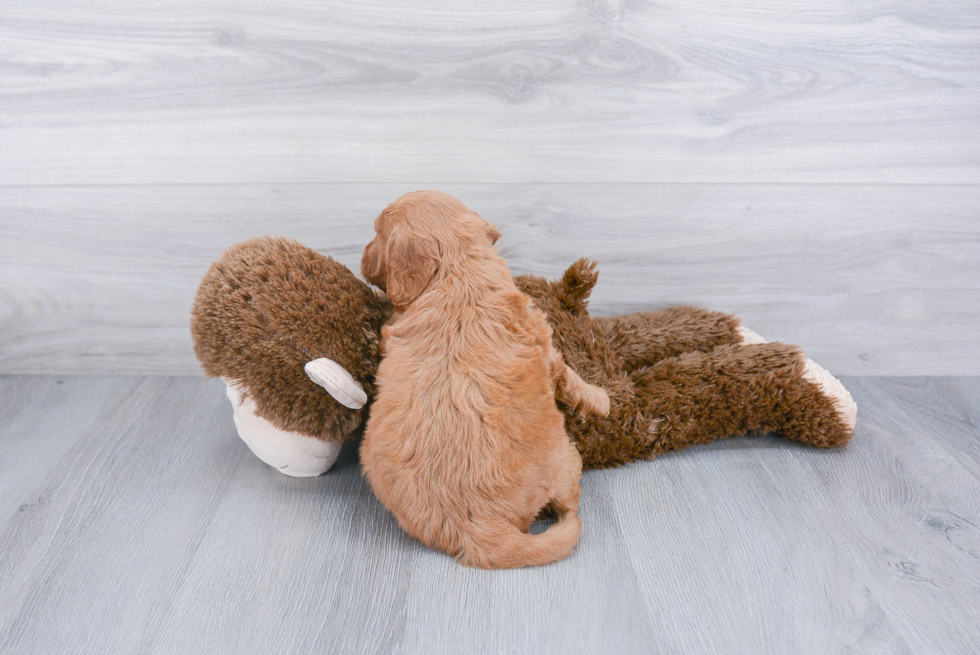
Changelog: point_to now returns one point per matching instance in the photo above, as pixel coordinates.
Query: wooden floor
(134, 520)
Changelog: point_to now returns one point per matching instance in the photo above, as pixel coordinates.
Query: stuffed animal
(683, 376)
(279, 324)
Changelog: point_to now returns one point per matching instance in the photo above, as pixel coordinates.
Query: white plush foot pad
(748, 336)
(833, 388)
(288, 452)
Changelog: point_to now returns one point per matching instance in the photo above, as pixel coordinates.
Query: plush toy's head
(266, 309)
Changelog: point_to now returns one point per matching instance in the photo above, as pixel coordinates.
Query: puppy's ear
(411, 260)
(371, 265)
(493, 233)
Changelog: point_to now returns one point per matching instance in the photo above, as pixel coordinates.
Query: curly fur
(465, 445)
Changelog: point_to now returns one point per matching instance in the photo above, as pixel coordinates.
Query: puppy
(464, 443)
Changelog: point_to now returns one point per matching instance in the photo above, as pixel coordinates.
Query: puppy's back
(464, 432)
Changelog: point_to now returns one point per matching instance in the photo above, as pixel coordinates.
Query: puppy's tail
(500, 545)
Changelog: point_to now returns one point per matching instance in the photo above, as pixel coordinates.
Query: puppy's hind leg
(568, 478)
(494, 543)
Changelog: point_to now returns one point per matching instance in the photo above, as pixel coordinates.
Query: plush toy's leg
(700, 397)
(817, 374)
(288, 452)
(645, 338)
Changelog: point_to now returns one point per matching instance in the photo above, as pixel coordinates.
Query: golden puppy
(464, 444)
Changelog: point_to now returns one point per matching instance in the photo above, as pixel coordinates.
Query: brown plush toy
(683, 376)
(280, 323)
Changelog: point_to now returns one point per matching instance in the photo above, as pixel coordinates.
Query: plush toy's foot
(833, 389)
(288, 452)
(748, 336)
(829, 386)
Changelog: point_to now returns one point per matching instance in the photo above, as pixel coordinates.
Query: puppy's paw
(594, 400)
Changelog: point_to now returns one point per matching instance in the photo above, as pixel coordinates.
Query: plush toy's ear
(337, 381)
(411, 260)
(576, 285)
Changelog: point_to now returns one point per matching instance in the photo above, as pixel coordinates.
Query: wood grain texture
(214, 91)
(893, 514)
(36, 434)
(869, 280)
(150, 528)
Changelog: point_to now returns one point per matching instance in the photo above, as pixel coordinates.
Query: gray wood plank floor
(132, 519)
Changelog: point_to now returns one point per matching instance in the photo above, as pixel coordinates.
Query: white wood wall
(813, 166)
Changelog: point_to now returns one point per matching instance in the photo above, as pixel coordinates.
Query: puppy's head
(419, 235)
